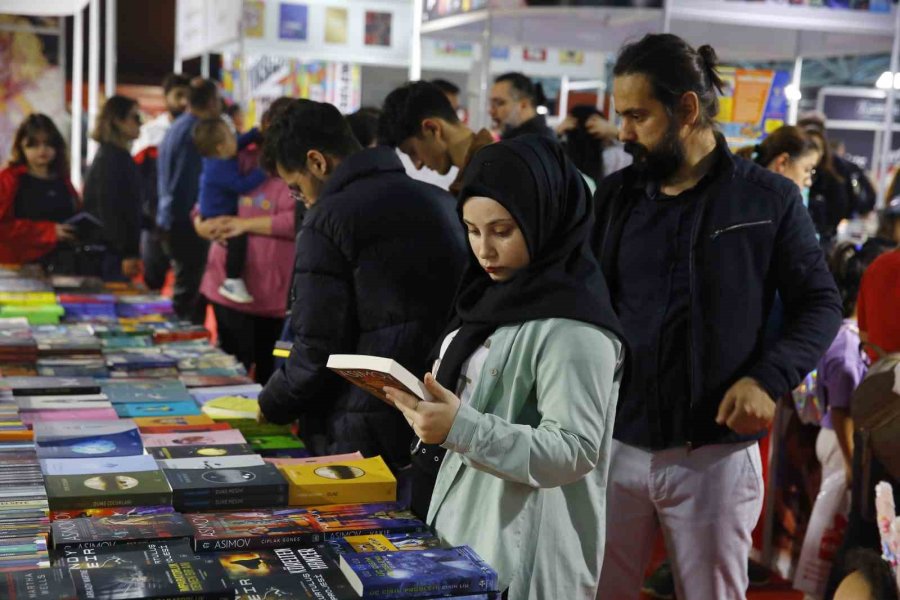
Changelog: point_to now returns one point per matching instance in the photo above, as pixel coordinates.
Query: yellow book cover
(231, 407)
(27, 298)
(182, 420)
(344, 482)
(370, 543)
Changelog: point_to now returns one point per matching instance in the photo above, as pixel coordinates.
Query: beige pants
(706, 501)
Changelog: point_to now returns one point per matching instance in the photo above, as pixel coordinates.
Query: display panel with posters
(752, 105)
(31, 78)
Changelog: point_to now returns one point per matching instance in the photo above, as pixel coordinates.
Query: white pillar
(883, 172)
(480, 117)
(794, 103)
(415, 55)
(77, 84)
(667, 16)
(109, 75)
(93, 73)
(176, 67)
(204, 65)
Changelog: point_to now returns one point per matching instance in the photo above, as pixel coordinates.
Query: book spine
(81, 502)
(216, 543)
(280, 489)
(336, 535)
(193, 505)
(301, 495)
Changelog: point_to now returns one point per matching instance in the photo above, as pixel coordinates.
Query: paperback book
(133, 488)
(115, 511)
(88, 466)
(345, 482)
(203, 451)
(388, 542)
(185, 428)
(373, 373)
(37, 584)
(87, 439)
(212, 438)
(241, 486)
(99, 532)
(155, 409)
(49, 386)
(143, 422)
(253, 529)
(342, 520)
(220, 462)
(130, 390)
(196, 578)
(136, 555)
(54, 416)
(424, 574)
(286, 572)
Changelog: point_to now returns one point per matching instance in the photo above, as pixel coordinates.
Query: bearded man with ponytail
(694, 242)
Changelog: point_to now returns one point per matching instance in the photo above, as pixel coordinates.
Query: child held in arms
(221, 182)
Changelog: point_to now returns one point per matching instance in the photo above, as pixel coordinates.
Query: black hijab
(546, 195)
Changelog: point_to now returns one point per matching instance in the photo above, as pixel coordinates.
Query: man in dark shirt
(694, 242)
(178, 182)
(513, 107)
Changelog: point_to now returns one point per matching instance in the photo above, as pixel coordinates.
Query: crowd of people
(605, 316)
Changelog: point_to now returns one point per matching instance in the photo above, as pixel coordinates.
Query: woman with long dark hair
(113, 187)
(36, 196)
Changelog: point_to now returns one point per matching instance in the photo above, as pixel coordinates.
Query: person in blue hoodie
(221, 182)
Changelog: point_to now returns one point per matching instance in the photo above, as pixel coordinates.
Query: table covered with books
(132, 466)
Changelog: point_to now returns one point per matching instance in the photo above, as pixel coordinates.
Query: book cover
(185, 428)
(98, 532)
(205, 483)
(342, 520)
(87, 439)
(34, 584)
(388, 542)
(212, 438)
(62, 402)
(246, 501)
(133, 488)
(292, 572)
(373, 373)
(424, 574)
(147, 553)
(197, 380)
(275, 442)
(56, 416)
(173, 420)
(197, 578)
(314, 460)
(49, 386)
(88, 466)
(115, 511)
(205, 451)
(231, 407)
(252, 529)
(345, 482)
(162, 390)
(219, 462)
(154, 409)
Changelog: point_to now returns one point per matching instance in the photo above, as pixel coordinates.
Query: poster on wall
(378, 28)
(455, 49)
(752, 105)
(335, 25)
(571, 57)
(436, 9)
(534, 54)
(254, 15)
(292, 21)
(499, 52)
(31, 79)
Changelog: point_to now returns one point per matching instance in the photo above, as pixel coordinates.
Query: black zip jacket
(752, 237)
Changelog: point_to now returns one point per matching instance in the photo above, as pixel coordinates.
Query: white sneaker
(236, 291)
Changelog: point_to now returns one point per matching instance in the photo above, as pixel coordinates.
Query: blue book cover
(160, 390)
(424, 574)
(157, 409)
(87, 439)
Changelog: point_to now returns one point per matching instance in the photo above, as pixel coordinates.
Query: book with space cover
(154, 409)
(424, 574)
(129, 488)
(286, 572)
(343, 482)
(201, 451)
(147, 553)
(342, 520)
(131, 390)
(188, 579)
(212, 438)
(87, 439)
(372, 373)
(98, 532)
(88, 466)
(37, 584)
(253, 529)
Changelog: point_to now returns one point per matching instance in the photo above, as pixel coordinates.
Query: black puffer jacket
(379, 258)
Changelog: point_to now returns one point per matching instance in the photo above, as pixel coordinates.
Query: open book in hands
(373, 373)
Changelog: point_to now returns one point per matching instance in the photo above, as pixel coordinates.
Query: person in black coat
(113, 187)
(513, 107)
(379, 257)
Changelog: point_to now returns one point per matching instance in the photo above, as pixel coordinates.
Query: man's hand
(64, 232)
(746, 408)
(430, 420)
(567, 125)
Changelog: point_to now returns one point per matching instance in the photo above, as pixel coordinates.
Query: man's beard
(661, 162)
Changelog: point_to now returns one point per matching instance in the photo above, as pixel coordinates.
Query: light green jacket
(524, 481)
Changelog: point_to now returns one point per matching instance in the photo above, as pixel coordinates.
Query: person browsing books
(524, 393)
(378, 259)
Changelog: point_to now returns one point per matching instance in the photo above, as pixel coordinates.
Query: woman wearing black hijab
(534, 357)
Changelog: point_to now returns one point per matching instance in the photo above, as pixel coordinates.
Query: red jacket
(22, 240)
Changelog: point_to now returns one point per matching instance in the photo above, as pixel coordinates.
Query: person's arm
(245, 139)
(812, 306)
(574, 389)
(227, 175)
(843, 429)
(323, 322)
(840, 379)
(236, 226)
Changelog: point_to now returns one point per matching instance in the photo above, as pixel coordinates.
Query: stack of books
(180, 331)
(325, 481)
(18, 348)
(140, 363)
(91, 308)
(68, 407)
(68, 351)
(116, 336)
(137, 306)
